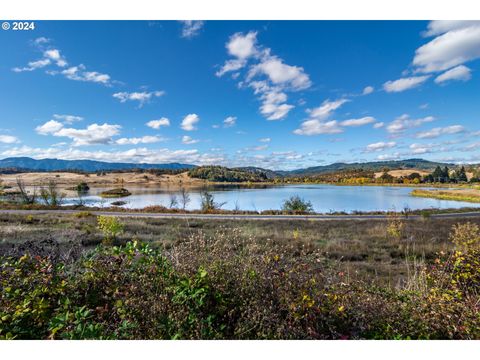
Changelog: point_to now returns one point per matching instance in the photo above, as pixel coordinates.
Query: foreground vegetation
(79, 277)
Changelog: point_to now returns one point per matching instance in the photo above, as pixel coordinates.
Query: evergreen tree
(437, 174)
(461, 175)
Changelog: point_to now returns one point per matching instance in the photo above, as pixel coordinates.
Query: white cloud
(230, 121)
(385, 157)
(141, 97)
(231, 65)
(189, 121)
(280, 73)
(139, 140)
(33, 65)
(67, 119)
(358, 122)
(277, 76)
(438, 27)
(404, 83)
(191, 28)
(368, 90)
(317, 123)
(436, 132)
(49, 127)
(8, 139)
(188, 140)
(457, 43)
(326, 109)
(53, 56)
(157, 124)
(265, 140)
(41, 40)
(421, 148)
(317, 127)
(242, 46)
(135, 155)
(404, 122)
(380, 146)
(460, 72)
(378, 125)
(274, 110)
(93, 134)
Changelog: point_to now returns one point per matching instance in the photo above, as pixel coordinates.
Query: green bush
(297, 205)
(230, 287)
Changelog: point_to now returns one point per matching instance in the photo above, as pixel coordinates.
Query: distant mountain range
(419, 164)
(26, 163)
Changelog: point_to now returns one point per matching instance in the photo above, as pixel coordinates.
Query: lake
(324, 198)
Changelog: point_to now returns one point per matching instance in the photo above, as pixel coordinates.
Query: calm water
(324, 198)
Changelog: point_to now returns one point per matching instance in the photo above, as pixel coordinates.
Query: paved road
(238, 217)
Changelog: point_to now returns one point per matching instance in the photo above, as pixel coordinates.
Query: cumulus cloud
(358, 122)
(439, 131)
(157, 124)
(404, 83)
(140, 97)
(385, 157)
(57, 63)
(418, 149)
(139, 140)
(265, 140)
(229, 121)
(326, 109)
(67, 119)
(33, 65)
(368, 90)
(92, 135)
(49, 127)
(404, 122)
(319, 123)
(189, 122)
(188, 140)
(280, 73)
(378, 125)
(191, 28)
(456, 42)
(135, 155)
(317, 127)
(8, 139)
(460, 72)
(380, 146)
(268, 75)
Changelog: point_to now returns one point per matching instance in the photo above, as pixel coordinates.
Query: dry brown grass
(359, 248)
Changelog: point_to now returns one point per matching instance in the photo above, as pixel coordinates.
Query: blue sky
(275, 94)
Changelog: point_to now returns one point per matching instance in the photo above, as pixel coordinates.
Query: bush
(110, 227)
(208, 202)
(297, 205)
(231, 287)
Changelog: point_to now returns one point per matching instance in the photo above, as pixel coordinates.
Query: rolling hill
(26, 163)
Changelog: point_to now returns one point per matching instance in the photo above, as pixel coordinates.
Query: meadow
(81, 276)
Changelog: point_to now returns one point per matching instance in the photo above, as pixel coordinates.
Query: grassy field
(78, 277)
(469, 195)
(361, 248)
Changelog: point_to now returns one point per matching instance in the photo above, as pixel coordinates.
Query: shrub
(110, 227)
(208, 202)
(395, 225)
(297, 204)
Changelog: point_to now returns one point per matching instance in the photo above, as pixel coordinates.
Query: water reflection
(325, 198)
